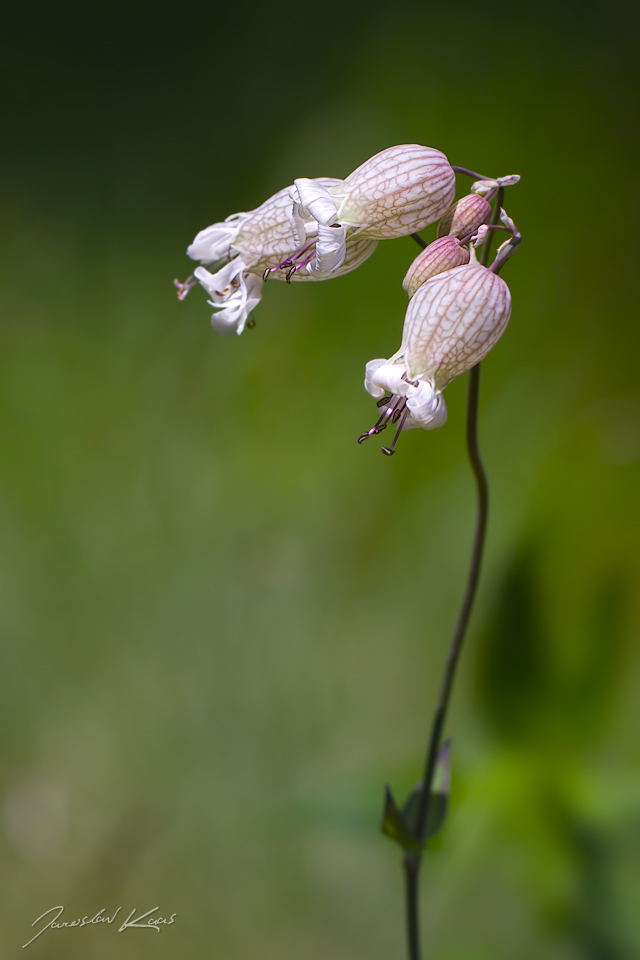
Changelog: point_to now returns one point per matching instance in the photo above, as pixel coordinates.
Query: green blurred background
(223, 621)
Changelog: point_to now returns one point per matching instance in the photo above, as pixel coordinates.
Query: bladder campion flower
(245, 246)
(451, 323)
(393, 194)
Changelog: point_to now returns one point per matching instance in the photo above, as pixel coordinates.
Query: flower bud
(443, 254)
(453, 321)
(464, 217)
(483, 187)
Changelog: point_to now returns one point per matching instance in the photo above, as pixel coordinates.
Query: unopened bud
(464, 217)
(482, 187)
(509, 246)
(480, 236)
(443, 254)
(510, 180)
(509, 224)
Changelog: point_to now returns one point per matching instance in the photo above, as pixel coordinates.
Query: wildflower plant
(459, 307)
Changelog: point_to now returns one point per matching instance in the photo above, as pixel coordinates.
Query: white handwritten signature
(153, 923)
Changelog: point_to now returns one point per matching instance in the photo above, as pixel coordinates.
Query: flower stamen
(299, 266)
(389, 451)
(389, 415)
(291, 263)
(183, 288)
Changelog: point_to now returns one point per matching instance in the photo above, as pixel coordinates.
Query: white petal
(331, 247)
(370, 385)
(426, 406)
(229, 319)
(386, 377)
(232, 309)
(297, 224)
(225, 283)
(317, 200)
(232, 316)
(213, 242)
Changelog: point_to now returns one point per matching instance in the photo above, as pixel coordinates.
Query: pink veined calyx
(317, 229)
(457, 312)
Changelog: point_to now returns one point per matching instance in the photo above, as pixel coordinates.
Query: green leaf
(437, 813)
(394, 826)
(439, 802)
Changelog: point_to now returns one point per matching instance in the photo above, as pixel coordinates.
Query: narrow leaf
(439, 801)
(394, 826)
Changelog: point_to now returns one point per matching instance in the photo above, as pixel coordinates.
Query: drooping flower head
(244, 247)
(393, 194)
(325, 227)
(451, 323)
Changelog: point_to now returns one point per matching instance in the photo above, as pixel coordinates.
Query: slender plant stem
(412, 906)
(413, 861)
(470, 173)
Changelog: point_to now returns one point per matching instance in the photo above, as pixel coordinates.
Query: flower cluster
(321, 228)
(458, 309)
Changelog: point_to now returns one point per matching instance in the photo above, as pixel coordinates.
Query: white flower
(259, 243)
(410, 403)
(215, 242)
(451, 323)
(395, 193)
(234, 293)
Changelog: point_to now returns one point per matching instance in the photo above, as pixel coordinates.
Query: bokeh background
(223, 621)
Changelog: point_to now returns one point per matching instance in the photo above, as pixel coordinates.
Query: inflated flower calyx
(451, 323)
(419, 180)
(464, 217)
(395, 193)
(246, 246)
(443, 254)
